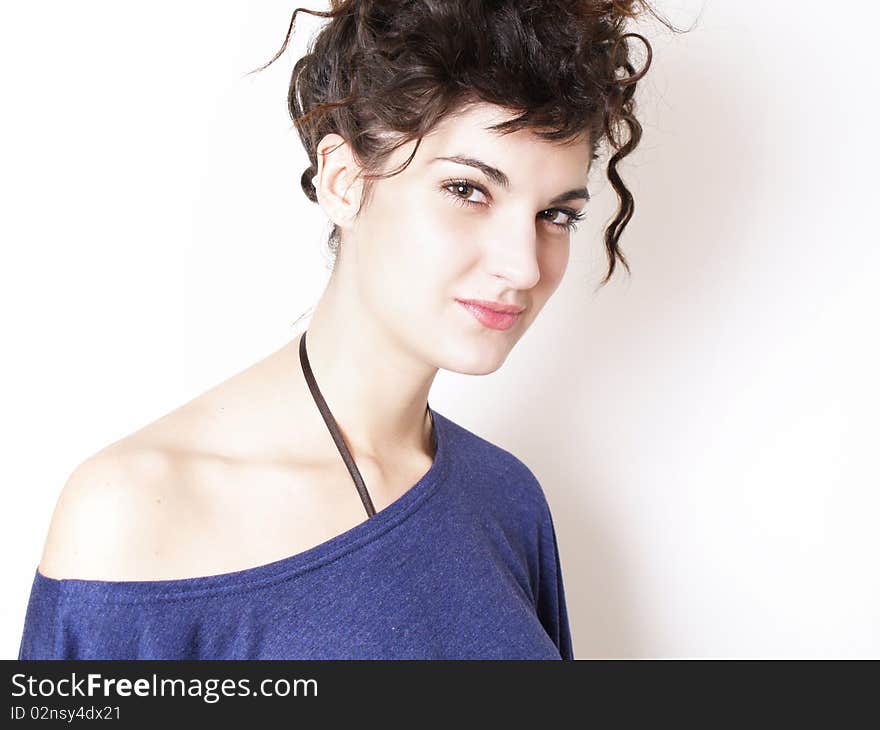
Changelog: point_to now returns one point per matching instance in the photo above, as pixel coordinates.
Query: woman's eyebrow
(493, 173)
(573, 194)
(498, 177)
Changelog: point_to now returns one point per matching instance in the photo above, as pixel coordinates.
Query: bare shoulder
(162, 502)
(104, 521)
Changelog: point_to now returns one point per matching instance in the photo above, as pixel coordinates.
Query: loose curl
(382, 73)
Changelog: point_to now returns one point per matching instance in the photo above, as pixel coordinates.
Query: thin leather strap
(334, 428)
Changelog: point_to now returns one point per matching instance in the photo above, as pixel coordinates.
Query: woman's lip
(494, 306)
(489, 317)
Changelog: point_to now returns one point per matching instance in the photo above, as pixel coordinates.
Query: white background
(705, 431)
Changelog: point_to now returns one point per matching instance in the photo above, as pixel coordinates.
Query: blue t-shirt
(464, 565)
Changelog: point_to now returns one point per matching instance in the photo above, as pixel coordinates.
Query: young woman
(314, 505)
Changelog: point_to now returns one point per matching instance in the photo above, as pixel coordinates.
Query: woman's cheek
(552, 264)
(441, 242)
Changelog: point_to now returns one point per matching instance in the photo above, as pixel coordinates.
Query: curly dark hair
(401, 66)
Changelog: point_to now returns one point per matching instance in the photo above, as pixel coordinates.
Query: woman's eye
(463, 190)
(570, 221)
(559, 217)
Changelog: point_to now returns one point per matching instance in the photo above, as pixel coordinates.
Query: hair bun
(621, 9)
(306, 182)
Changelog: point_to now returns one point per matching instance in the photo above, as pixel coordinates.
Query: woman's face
(443, 231)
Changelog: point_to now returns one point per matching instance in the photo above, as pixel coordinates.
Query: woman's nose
(513, 255)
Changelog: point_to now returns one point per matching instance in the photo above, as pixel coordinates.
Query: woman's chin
(475, 359)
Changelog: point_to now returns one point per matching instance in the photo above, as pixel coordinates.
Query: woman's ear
(337, 183)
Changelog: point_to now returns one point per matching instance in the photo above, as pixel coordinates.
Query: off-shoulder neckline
(267, 574)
